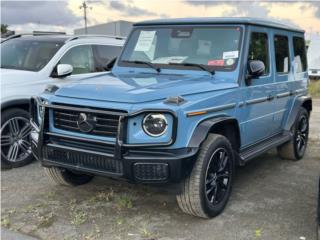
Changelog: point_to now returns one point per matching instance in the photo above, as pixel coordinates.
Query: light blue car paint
(261, 109)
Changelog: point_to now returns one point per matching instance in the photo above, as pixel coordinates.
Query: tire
(66, 177)
(15, 138)
(292, 150)
(195, 196)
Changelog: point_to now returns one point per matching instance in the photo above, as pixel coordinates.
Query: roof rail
(40, 33)
(95, 35)
(34, 33)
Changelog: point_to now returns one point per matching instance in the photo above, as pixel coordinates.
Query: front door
(258, 108)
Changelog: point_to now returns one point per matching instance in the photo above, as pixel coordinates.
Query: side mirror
(62, 70)
(110, 64)
(256, 68)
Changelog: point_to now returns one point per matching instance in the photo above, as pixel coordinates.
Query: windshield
(31, 55)
(173, 47)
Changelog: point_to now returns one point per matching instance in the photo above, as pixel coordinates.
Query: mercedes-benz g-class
(187, 101)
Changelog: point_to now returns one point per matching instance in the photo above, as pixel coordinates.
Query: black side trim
(213, 109)
(15, 102)
(259, 148)
(257, 100)
(201, 131)
(298, 102)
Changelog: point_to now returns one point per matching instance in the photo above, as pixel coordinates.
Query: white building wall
(118, 28)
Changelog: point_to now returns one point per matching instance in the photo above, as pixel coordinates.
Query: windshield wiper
(145, 63)
(201, 66)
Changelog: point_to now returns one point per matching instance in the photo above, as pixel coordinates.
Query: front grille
(104, 124)
(83, 160)
(151, 171)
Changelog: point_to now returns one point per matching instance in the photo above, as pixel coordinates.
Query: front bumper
(144, 165)
(314, 73)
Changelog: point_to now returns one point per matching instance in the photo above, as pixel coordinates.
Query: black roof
(209, 20)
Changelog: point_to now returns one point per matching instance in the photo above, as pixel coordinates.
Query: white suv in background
(28, 64)
(314, 58)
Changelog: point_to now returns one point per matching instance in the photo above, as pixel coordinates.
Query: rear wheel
(66, 177)
(15, 138)
(206, 191)
(296, 148)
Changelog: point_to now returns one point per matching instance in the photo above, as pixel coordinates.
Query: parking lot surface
(272, 199)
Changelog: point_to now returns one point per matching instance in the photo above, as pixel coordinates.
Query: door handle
(270, 97)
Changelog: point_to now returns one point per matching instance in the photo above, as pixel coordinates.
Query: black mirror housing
(110, 64)
(256, 68)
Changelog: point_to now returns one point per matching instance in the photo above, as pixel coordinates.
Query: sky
(65, 15)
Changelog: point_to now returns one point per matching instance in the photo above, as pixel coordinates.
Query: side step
(259, 148)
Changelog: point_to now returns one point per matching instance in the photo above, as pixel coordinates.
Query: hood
(139, 88)
(11, 77)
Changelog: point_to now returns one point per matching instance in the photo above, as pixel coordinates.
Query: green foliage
(4, 28)
(79, 217)
(124, 202)
(314, 88)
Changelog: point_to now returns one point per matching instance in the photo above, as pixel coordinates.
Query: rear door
(283, 76)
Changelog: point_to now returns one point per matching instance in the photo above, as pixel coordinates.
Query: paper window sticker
(216, 62)
(285, 65)
(145, 41)
(230, 61)
(172, 59)
(231, 54)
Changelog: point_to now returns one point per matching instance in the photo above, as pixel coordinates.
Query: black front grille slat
(83, 159)
(67, 126)
(104, 125)
(99, 132)
(115, 119)
(67, 114)
(64, 120)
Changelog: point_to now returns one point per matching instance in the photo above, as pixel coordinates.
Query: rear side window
(281, 48)
(300, 59)
(103, 54)
(258, 49)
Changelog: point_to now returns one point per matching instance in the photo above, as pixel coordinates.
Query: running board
(259, 148)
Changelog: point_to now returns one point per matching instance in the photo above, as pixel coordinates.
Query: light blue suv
(187, 101)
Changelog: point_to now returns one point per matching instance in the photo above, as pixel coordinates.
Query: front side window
(81, 59)
(258, 49)
(299, 49)
(281, 48)
(103, 54)
(26, 54)
(175, 47)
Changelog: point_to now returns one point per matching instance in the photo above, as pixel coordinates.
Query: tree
(4, 28)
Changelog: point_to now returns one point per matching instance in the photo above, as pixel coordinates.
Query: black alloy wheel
(217, 176)
(301, 135)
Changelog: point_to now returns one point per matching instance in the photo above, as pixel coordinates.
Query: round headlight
(155, 124)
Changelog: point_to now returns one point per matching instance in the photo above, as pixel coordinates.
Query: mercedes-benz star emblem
(86, 123)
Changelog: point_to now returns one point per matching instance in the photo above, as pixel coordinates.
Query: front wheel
(206, 191)
(15, 138)
(296, 148)
(66, 177)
